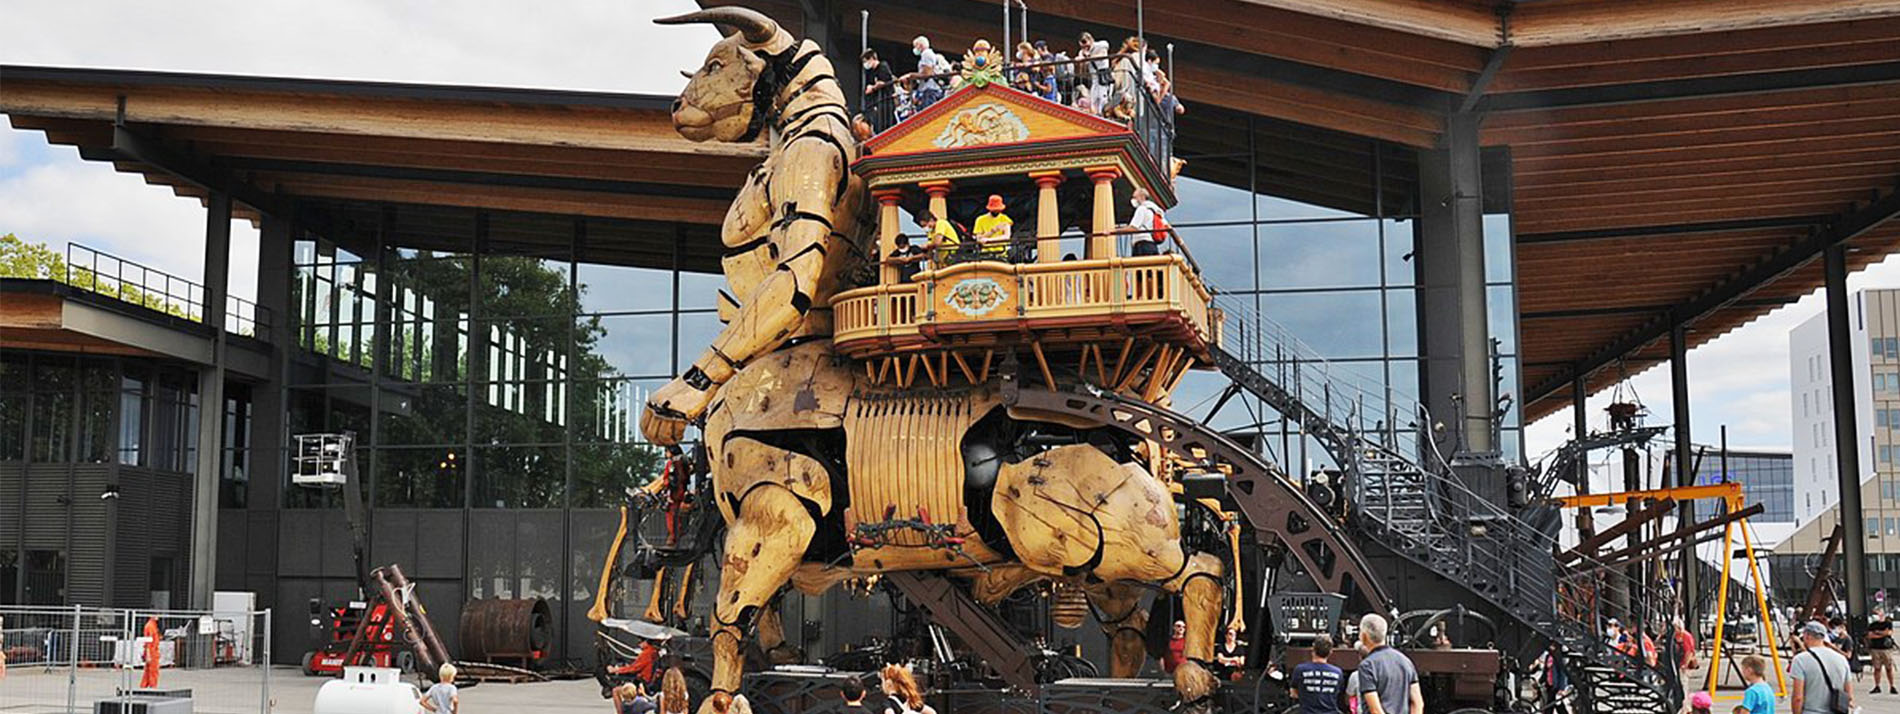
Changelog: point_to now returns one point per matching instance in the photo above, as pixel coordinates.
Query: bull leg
(683, 594)
(763, 547)
(1123, 620)
(1073, 506)
(655, 612)
(999, 581)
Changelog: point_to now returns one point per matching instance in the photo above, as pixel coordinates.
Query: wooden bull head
(729, 97)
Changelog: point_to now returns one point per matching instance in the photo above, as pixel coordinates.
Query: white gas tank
(368, 690)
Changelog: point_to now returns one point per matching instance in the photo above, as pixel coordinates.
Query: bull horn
(757, 28)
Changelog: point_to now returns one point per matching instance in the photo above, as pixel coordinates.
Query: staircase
(1422, 511)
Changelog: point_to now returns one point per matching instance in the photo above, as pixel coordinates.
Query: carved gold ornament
(976, 297)
(987, 123)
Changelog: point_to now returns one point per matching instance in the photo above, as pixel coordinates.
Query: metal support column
(1454, 320)
(210, 436)
(1685, 462)
(1846, 442)
(1579, 408)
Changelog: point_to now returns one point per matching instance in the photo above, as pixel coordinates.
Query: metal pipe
(1024, 19)
(1006, 47)
(864, 31)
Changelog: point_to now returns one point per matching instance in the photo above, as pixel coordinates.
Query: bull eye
(714, 65)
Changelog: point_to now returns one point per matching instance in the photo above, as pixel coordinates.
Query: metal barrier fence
(66, 659)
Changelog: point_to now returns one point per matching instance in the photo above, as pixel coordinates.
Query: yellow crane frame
(1731, 495)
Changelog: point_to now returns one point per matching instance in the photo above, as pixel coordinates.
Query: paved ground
(1729, 692)
(237, 691)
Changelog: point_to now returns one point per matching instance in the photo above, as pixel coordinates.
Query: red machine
(354, 631)
(388, 627)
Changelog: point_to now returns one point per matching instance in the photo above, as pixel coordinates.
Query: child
(1700, 702)
(1759, 698)
(441, 699)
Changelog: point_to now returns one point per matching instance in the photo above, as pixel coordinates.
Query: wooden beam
(1453, 22)
(632, 130)
(1562, 22)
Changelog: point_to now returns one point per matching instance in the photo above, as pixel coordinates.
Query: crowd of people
(1092, 79)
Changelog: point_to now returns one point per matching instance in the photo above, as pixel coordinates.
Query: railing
(106, 274)
(1085, 84)
(1152, 284)
(1345, 400)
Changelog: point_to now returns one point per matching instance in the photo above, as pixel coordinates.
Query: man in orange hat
(150, 680)
(993, 227)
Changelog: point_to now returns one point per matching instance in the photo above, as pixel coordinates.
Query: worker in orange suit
(150, 680)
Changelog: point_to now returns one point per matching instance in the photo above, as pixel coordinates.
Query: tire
(310, 664)
(406, 662)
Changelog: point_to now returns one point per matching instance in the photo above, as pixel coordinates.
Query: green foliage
(20, 259)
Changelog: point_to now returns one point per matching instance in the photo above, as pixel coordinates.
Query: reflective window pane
(519, 477)
(1223, 252)
(1339, 325)
(613, 288)
(420, 478)
(1319, 255)
(625, 346)
(603, 472)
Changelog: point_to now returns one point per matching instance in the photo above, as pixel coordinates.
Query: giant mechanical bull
(806, 460)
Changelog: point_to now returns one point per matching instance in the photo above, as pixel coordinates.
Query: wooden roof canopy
(1695, 154)
(343, 151)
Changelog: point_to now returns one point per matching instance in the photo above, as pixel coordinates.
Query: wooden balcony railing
(1113, 293)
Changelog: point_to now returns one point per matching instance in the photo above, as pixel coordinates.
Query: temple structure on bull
(1132, 325)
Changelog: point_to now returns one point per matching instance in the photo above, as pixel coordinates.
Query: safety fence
(67, 659)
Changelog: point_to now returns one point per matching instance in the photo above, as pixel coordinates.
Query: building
(482, 283)
(1875, 327)
(1767, 477)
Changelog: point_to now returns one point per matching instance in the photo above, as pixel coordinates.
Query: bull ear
(754, 25)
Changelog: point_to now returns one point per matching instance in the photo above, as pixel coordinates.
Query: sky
(48, 194)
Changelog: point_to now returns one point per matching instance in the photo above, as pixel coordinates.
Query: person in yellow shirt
(993, 227)
(941, 241)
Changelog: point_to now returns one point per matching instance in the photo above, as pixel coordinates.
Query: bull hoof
(1196, 687)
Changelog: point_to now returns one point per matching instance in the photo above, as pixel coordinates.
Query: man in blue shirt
(1316, 684)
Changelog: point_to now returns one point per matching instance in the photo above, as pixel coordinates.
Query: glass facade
(1337, 272)
(1767, 478)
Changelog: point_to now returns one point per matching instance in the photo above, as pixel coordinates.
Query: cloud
(1739, 380)
(48, 194)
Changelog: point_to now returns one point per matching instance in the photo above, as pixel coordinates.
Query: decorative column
(939, 191)
(1102, 230)
(887, 230)
(1048, 220)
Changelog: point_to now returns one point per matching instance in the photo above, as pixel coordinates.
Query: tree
(20, 259)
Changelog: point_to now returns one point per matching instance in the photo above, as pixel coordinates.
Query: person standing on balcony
(993, 227)
(1093, 80)
(907, 258)
(1128, 80)
(1152, 223)
(931, 67)
(878, 97)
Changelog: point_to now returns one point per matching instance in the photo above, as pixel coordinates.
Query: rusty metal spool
(507, 630)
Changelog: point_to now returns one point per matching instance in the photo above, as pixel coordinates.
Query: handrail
(1142, 284)
(155, 289)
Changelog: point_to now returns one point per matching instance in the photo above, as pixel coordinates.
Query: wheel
(406, 661)
(310, 664)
